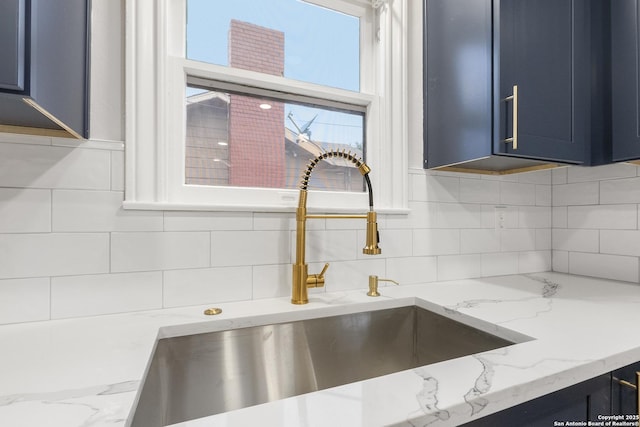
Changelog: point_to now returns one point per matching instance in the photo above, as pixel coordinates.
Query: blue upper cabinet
(457, 83)
(12, 43)
(515, 85)
(44, 51)
(625, 76)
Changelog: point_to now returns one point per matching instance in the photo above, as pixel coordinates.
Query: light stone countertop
(86, 371)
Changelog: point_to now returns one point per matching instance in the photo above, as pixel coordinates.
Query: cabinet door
(625, 53)
(543, 47)
(12, 44)
(458, 73)
(623, 398)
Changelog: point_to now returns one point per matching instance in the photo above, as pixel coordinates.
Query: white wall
(68, 249)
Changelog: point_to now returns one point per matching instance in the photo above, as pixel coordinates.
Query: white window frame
(156, 72)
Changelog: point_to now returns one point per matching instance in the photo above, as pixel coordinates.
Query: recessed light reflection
(223, 143)
(265, 106)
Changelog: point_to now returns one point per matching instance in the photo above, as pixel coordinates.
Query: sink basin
(204, 374)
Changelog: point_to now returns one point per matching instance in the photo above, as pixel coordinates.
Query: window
(241, 140)
(296, 39)
(225, 126)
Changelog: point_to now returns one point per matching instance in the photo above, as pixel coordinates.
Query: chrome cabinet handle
(514, 98)
(635, 386)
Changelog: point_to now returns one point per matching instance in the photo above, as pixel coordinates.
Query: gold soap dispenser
(373, 285)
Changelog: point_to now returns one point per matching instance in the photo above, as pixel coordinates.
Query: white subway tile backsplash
(346, 224)
(503, 216)
(541, 177)
(454, 267)
(271, 281)
(543, 239)
(421, 215)
(434, 188)
(559, 176)
(481, 240)
(150, 251)
(206, 221)
(559, 216)
(620, 242)
(575, 240)
(584, 193)
(499, 264)
(61, 223)
(38, 166)
(458, 215)
(479, 191)
(418, 186)
(412, 270)
(53, 254)
(429, 242)
(515, 193)
(351, 275)
(24, 300)
(543, 195)
(78, 210)
(330, 245)
(25, 210)
(560, 261)
(206, 286)
(534, 261)
(279, 221)
(67, 246)
(91, 295)
(517, 239)
(234, 248)
(620, 191)
(603, 216)
(599, 173)
(534, 217)
(606, 266)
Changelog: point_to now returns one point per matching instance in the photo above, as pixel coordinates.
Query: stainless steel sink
(200, 375)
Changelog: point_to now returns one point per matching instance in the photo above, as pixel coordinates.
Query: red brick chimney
(256, 136)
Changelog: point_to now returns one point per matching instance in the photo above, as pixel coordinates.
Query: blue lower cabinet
(624, 393)
(612, 394)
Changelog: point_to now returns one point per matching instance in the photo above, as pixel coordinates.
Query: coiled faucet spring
(344, 154)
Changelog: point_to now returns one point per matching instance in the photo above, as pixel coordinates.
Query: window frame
(156, 76)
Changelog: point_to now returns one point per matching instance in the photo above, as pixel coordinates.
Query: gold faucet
(301, 279)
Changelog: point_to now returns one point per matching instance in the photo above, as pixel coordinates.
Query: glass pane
(242, 140)
(288, 38)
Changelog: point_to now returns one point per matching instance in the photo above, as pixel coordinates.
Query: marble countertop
(86, 371)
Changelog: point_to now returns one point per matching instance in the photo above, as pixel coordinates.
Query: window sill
(159, 206)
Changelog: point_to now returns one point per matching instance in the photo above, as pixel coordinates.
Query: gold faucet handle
(373, 285)
(317, 280)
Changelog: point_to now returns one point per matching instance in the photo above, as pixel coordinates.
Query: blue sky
(321, 46)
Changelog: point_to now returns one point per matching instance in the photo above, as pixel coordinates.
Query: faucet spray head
(373, 237)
